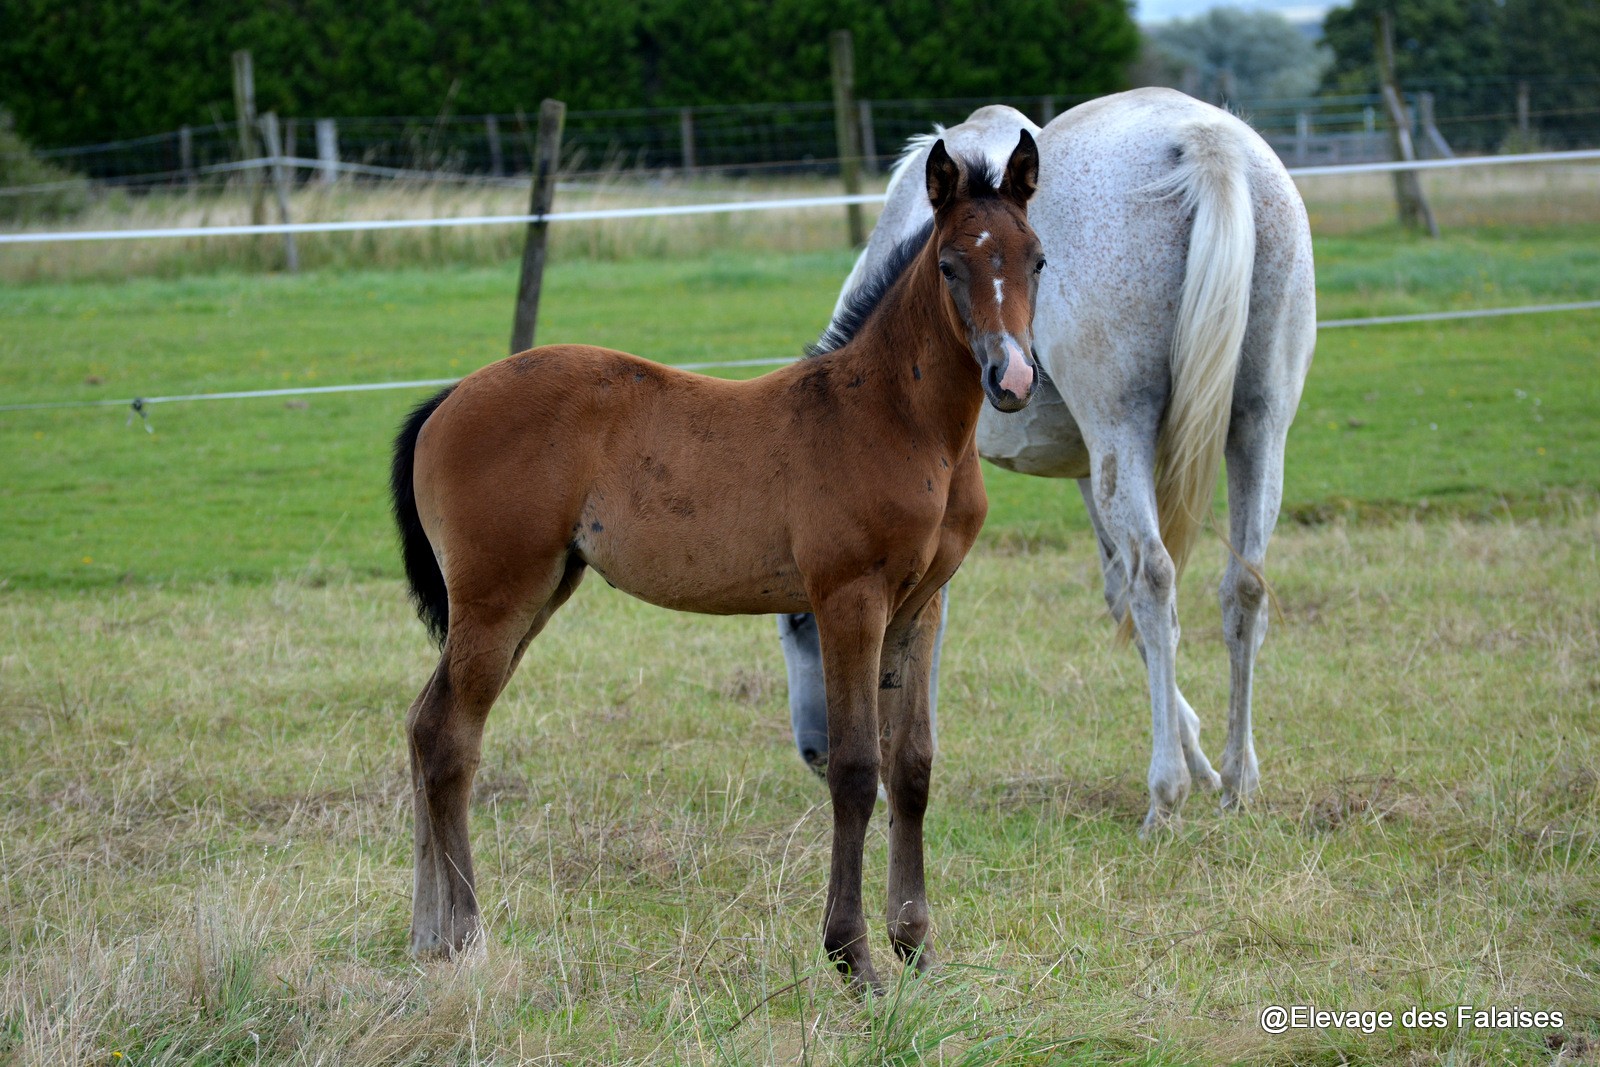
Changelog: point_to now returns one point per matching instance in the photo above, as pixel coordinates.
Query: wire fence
(138, 405)
(799, 138)
(669, 210)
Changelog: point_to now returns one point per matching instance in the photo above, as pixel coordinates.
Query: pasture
(205, 657)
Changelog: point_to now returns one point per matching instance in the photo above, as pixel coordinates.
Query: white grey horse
(1176, 319)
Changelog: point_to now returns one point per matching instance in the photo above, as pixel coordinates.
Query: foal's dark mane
(982, 183)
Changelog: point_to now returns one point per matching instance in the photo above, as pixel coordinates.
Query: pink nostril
(1017, 376)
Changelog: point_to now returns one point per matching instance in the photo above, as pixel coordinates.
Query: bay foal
(846, 485)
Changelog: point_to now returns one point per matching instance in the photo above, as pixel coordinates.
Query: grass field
(205, 656)
(206, 826)
(1469, 418)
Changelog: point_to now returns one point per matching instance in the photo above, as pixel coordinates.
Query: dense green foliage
(84, 70)
(1472, 53)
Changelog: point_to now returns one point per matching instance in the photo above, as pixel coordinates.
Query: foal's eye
(946, 270)
(1038, 268)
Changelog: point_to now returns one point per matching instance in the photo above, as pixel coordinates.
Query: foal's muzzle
(1009, 372)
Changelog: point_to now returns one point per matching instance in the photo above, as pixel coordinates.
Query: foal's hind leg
(851, 622)
(1116, 587)
(445, 726)
(1255, 490)
(905, 708)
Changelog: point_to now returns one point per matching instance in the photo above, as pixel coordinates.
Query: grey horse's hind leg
(1200, 769)
(808, 699)
(1255, 490)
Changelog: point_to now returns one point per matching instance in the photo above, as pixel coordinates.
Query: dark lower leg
(851, 627)
(909, 763)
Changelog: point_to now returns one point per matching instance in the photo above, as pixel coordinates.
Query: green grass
(1469, 418)
(204, 659)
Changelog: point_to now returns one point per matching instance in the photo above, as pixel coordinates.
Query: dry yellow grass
(1519, 195)
(205, 826)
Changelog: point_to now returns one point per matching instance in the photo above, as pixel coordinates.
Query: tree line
(1472, 54)
(79, 71)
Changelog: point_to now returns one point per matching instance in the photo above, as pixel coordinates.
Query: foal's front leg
(905, 707)
(851, 622)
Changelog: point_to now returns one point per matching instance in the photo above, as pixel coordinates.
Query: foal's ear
(1022, 171)
(944, 177)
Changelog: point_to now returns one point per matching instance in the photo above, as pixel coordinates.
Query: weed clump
(34, 188)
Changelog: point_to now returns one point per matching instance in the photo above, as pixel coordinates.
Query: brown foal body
(846, 484)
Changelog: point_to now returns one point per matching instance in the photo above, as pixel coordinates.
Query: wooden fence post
(1412, 205)
(328, 150)
(1047, 109)
(1524, 110)
(546, 163)
(845, 128)
(244, 106)
(280, 187)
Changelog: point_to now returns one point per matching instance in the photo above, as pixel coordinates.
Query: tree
(83, 70)
(1263, 52)
(1449, 47)
(1554, 45)
(1472, 53)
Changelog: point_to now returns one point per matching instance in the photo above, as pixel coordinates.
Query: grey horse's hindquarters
(808, 698)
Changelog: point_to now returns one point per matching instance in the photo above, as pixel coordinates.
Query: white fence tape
(436, 383)
(1445, 164)
(1468, 313)
(658, 211)
(670, 210)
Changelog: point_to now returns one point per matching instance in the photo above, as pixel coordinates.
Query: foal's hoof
(862, 982)
(920, 959)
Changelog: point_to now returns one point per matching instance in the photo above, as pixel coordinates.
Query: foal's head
(991, 260)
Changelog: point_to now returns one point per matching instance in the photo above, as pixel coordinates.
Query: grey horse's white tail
(1211, 183)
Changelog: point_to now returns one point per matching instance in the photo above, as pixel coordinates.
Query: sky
(1161, 10)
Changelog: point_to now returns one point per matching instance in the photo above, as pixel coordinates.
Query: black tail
(422, 569)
